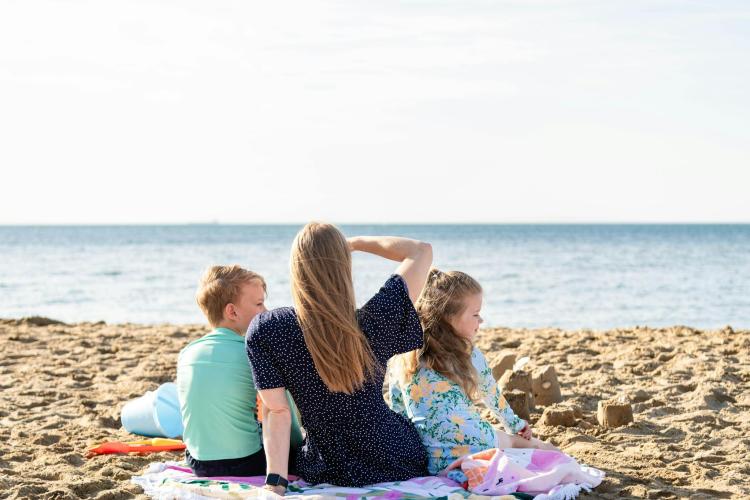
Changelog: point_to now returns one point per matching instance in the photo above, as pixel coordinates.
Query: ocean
(567, 276)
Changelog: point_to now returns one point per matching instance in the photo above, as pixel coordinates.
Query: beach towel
(174, 480)
(546, 474)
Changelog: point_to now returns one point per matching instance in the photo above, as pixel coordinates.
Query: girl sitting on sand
(437, 386)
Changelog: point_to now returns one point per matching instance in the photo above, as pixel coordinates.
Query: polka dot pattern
(352, 439)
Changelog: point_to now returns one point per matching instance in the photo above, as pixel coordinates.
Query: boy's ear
(230, 312)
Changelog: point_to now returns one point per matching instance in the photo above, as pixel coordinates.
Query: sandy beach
(63, 387)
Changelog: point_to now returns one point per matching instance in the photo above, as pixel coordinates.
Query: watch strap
(276, 480)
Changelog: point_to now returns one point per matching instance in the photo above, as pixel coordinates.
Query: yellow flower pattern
(457, 420)
(460, 451)
(442, 386)
(416, 393)
(425, 388)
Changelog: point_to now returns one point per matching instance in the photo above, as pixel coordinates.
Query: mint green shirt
(217, 397)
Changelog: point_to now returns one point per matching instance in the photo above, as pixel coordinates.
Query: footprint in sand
(33, 404)
(116, 473)
(678, 467)
(74, 459)
(711, 459)
(16, 456)
(682, 388)
(665, 356)
(23, 339)
(31, 491)
(82, 377)
(82, 384)
(47, 439)
(713, 493)
(57, 421)
(47, 475)
(717, 398)
(90, 486)
(109, 422)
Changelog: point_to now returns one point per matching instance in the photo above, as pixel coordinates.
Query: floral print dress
(448, 422)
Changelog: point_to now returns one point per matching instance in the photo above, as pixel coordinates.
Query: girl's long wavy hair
(444, 350)
(323, 295)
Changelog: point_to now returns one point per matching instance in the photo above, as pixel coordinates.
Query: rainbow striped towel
(164, 480)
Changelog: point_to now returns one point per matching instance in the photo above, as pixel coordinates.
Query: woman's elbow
(425, 249)
(280, 414)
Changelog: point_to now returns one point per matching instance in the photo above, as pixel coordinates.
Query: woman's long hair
(323, 294)
(444, 350)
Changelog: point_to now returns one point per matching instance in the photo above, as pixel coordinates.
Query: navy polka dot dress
(352, 439)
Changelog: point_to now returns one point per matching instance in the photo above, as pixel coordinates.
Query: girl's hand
(526, 432)
(352, 243)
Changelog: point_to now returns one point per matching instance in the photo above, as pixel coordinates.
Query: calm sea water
(569, 276)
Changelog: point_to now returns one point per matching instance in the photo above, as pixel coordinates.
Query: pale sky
(374, 111)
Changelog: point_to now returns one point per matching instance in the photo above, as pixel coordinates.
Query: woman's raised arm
(415, 257)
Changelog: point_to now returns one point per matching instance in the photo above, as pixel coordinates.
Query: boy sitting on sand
(215, 385)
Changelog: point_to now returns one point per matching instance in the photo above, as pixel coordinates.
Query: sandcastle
(517, 380)
(614, 412)
(519, 402)
(545, 386)
(501, 363)
(524, 391)
(541, 387)
(566, 416)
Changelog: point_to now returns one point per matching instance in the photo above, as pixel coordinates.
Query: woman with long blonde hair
(332, 356)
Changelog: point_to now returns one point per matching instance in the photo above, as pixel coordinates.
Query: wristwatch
(276, 480)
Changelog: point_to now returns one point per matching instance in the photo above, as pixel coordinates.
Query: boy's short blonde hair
(219, 286)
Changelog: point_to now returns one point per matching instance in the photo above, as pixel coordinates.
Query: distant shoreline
(379, 224)
(42, 321)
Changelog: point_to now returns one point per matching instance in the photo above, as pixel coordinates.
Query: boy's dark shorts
(251, 465)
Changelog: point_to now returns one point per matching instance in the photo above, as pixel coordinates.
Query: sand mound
(62, 390)
(63, 387)
(690, 396)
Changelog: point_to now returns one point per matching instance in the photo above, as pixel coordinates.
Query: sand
(63, 387)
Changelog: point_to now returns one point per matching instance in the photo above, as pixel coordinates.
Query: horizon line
(410, 223)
